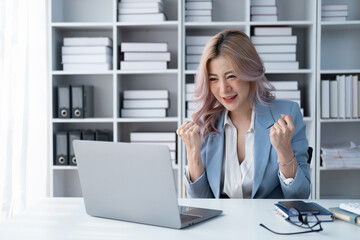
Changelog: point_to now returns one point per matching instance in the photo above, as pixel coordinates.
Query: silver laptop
(132, 182)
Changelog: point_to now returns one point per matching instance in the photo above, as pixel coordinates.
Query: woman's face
(230, 91)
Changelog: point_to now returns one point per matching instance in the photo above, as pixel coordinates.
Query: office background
(323, 50)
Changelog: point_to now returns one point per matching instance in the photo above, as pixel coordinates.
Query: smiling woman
(23, 105)
(242, 142)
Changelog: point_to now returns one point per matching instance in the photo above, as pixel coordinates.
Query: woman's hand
(189, 133)
(280, 136)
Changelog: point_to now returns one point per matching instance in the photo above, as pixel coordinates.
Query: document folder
(63, 99)
(88, 135)
(82, 101)
(102, 135)
(73, 135)
(61, 149)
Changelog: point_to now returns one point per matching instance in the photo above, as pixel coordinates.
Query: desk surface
(65, 218)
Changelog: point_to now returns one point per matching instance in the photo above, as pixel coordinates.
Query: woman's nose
(225, 87)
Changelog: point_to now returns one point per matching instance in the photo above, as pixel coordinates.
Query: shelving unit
(336, 44)
(318, 53)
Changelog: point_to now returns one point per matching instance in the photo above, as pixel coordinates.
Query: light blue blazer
(267, 182)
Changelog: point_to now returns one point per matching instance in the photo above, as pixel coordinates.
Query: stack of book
(145, 103)
(144, 56)
(141, 11)
(87, 54)
(341, 156)
(287, 90)
(276, 47)
(347, 212)
(340, 98)
(198, 10)
(191, 106)
(156, 138)
(334, 12)
(194, 47)
(263, 10)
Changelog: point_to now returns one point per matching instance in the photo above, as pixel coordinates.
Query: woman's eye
(231, 76)
(212, 79)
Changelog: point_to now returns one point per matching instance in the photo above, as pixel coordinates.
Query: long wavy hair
(236, 47)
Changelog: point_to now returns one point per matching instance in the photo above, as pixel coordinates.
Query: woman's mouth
(229, 99)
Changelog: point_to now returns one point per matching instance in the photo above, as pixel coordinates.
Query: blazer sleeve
(200, 188)
(300, 187)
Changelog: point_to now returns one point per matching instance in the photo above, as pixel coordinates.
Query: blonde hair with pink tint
(236, 47)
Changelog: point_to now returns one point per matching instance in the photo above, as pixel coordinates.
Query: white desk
(65, 218)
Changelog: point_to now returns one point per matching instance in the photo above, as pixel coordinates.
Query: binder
(73, 135)
(102, 135)
(88, 135)
(63, 98)
(82, 101)
(61, 149)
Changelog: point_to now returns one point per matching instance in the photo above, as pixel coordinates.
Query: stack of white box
(287, 90)
(141, 11)
(191, 106)
(198, 11)
(145, 103)
(276, 47)
(263, 10)
(87, 54)
(194, 48)
(144, 56)
(334, 12)
(157, 138)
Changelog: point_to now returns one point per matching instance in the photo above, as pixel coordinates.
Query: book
(192, 66)
(265, 18)
(272, 31)
(325, 98)
(334, 13)
(87, 41)
(194, 49)
(90, 58)
(169, 144)
(135, 113)
(285, 85)
(135, 4)
(143, 65)
(189, 87)
(144, 17)
(263, 10)
(192, 105)
(146, 94)
(274, 39)
(281, 48)
(86, 50)
(281, 65)
(324, 215)
(143, 47)
(198, 18)
(348, 96)
(269, 57)
(153, 136)
(193, 58)
(146, 56)
(345, 215)
(198, 12)
(87, 66)
(140, 10)
(294, 94)
(198, 5)
(333, 99)
(146, 103)
(188, 96)
(262, 2)
(355, 95)
(334, 7)
(341, 95)
(197, 40)
(335, 19)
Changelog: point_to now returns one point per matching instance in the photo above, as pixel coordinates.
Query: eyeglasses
(307, 221)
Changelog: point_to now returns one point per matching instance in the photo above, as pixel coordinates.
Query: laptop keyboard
(187, 218)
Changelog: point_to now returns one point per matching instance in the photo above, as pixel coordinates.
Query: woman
(242, 143)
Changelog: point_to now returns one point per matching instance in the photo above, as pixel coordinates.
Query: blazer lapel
(214, 157)
(262, 145)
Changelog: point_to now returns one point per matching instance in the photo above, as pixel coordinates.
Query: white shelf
(339, 169)
(64, 167)
(130, 120)
(284, 23)
(339, 120)
(82, 120)
(340, 71)
(61, 72)
(168, 71)
(83, 25)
